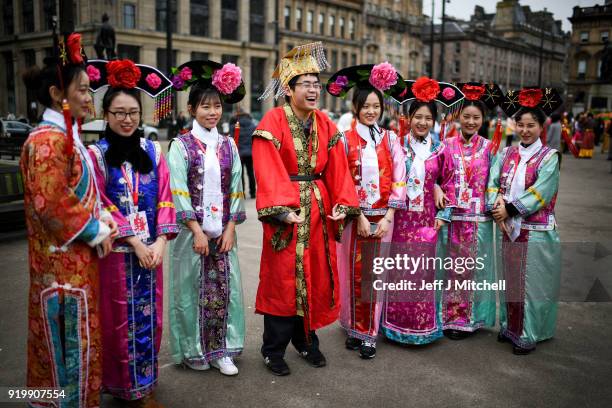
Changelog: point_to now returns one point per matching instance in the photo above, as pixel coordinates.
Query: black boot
(352, 343)
(367, 350)
(520, 351)
(313, 356)
(456, 334)
(277, 365)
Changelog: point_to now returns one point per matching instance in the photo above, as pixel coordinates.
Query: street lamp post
(541, 48)
(431, 45)
(441, 68)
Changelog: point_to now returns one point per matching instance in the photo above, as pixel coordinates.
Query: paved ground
(573, 369)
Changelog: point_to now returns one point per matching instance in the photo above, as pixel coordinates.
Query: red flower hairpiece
(425, 89)
(73, 48)
(473, 92)
(122, 74)
(530, 98)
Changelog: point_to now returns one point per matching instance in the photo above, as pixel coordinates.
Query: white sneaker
(196, 366)
(225, 365)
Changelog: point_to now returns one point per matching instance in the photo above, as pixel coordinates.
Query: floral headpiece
(427, 90)
(128, 75)
(226, 79)
(547, 100)
(489, 94)
(383, 77)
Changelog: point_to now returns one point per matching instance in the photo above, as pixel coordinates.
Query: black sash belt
(309, 177)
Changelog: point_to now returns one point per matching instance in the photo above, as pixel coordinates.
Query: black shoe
(456, 334)
(501, 338)
(277, 365)
(352, 343)
(520, 351)
(367, 350)
(314, 357)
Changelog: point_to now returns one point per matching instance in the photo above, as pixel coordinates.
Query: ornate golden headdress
(303, 59)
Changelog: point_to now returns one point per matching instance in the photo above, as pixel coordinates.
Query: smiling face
(528, 128)
(78, 96)
(471, 120)
(123, 115)
(421, 122)
(208, 112)
(371, 110)
(304, 97)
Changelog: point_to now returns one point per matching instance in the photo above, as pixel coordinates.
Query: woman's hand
(439, 197)
(106, 245)
(112, 224)
(499, 210)
(336, 216)
(439, 224)
(158, 248)
(363, 226)
(200, 243)
(384, 225)
(225, 242)
(143, 253)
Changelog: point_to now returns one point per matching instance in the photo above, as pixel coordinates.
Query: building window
(289, 47)
(456, 67)
(131, 52)
(334, 59)
(582, 67)
(7, 18)
(29, 58)
(258, 80)
(605, 35)
(321, 23)
(27, 12)
(129, 15)
(198, 18)
(298, 19)
(341, 27)
(49, 10)
(458, 47)
(599, 69)
(353, 59)
(199, 56)
(258, 22)
(287, 17)
(229, 19)
(161, 60)
(399, 40)
(344, 60)
(309, 21)
(584, 36)
(161, 15)
(332, 25)
(352, 28)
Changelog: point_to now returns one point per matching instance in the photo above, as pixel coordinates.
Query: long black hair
(40, 80)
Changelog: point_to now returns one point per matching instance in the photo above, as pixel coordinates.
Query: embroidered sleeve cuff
(184, 216)
(238, 217)
(103, 232)
(522, 210)
(398, 204)
(269, 214)
(445, 214)
(125, 231)
(349, 211)
(167, 229)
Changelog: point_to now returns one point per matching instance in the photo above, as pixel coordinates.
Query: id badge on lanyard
(137, 219)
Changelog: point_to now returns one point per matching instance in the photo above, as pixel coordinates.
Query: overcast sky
(463, 9)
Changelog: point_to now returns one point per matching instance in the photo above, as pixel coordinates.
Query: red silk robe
(298, 273)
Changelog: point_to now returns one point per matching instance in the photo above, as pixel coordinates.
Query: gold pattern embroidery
(537, 195)
(181, 193)
(264, 134)
(165, 204)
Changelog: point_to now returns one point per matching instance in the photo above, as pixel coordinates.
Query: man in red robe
(304, 194)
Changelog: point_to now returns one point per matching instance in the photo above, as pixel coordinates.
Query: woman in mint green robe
(521, 195)
(206, 306)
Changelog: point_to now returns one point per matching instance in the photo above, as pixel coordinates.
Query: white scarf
(370, 175)
(212, 196)
(517, 188)
(422, 152)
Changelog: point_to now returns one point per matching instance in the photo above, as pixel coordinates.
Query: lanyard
(132, 189)
(468, 170)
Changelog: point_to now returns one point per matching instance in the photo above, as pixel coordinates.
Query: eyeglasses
(310, 85)
(120, 116)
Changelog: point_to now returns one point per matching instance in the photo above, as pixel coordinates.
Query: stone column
(243, 21)
(183, 17)
(214, 18)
